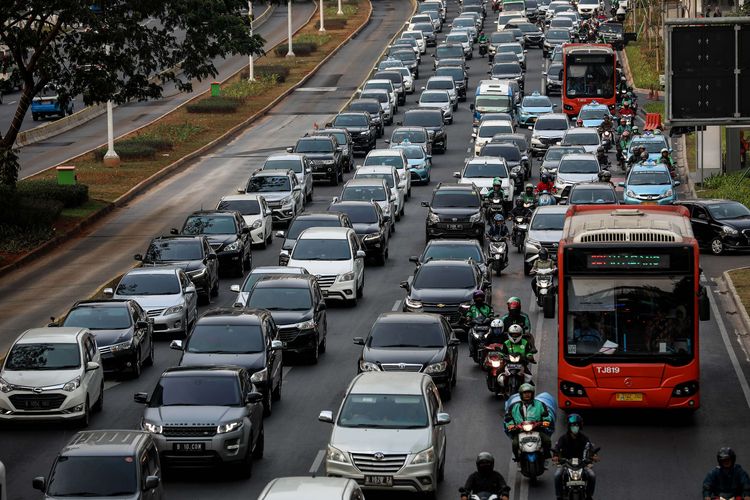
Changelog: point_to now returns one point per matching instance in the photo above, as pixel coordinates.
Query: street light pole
(290, 52)
(320, 5)
(340, 12)
(111, 158)
(250, 65)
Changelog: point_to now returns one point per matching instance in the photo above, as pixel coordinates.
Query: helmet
(664, 150)
(545, 177)
(529, 186)
(600, 149)
(526, 388)
(575, 419)
(623, 120)
(478, 294)
(497, 326)
(726, 453)
(636, 130)
(644, 155)
(514, 303)
(543, 253)
(481, 33)
(497, 182)
(606, 176)
(498, 218)
(519, 202)
(546, 199)
(515, 332)
(485, 459)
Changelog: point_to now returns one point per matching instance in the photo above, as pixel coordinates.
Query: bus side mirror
(704, 306)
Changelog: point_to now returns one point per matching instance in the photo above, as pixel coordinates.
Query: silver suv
(545, 230)
(389, 433)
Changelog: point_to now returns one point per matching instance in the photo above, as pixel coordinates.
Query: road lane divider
(317, 462)
(728, 345)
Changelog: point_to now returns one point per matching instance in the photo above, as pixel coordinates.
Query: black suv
(123, 332)
(372, 227)
(325, 156)
(458, 75)
(345, 142)
(447, 51)
(719, 225)
(304, 221)
(455, 211)
(299, 310)
(453, 250)
(192, 254)
(445, 287)
(398, 83)
(372, 106)
(239, 337)
(432, 120)
(412, 342)
(228, 235)
(361, 127)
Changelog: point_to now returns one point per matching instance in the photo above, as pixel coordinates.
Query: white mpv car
(256, 212)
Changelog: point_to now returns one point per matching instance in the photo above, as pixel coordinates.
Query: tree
(108, 50)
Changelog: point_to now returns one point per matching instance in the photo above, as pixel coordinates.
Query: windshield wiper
(79, 494)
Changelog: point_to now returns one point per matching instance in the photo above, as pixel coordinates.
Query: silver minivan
(311, 488)
(389, 433)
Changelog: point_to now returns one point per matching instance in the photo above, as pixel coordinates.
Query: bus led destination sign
(596, 260)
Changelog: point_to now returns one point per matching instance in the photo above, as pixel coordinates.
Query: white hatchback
(257, 215)
(391, 178)
(396, 159)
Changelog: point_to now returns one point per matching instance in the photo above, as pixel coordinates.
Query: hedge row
(273, 70)
(24, 213)
(68, 196)
(300, 49)
(137, 148)
(212, 104)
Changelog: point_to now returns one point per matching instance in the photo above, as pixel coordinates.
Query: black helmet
(485, 458)
(606, 176)
(600, 149)
(575, 419)
(543, 254)
(545, 177)
(519, 202)
(726, 453)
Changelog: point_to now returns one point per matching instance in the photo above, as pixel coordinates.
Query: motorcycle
(573, 479)
(518, 234)
(530, 452)
(494, 206)
(482, 495)
(494, 365)
(603, 160)
(483, 49)
(512, 375)
(545, 290)
(478, 330)
(498, 253)
(607, 139)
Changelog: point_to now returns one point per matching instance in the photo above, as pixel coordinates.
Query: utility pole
(250, 65)
(290, 52)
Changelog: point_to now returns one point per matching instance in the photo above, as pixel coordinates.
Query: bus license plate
(629, 396)
(379, 481)
(189, 447)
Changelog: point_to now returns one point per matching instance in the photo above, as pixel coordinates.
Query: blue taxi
(649, 183)
(654, 143)
(420, 163)
(592, 115)
(532, 107)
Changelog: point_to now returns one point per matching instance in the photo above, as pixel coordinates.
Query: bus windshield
(589, 77)
(629, 318)
(493, 103)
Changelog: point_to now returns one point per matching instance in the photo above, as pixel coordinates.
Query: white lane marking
(317, 89)
(318, 460)
(12, 102)
(728, 345)
(285, 371)
(396, 305)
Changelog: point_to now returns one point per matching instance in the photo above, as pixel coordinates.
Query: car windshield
(425, 27)
(453, 252)
(514, 48)
(551, 124)
(388, 160)
(610, 28)
(384, 411)
(225, 339)
(438, 276)
(340, 137)
(416, 35)
(406, 334)
(50, 356)
(514, 6)
(437, 96)
(197, 390)
(592, 196)
(493, 102)
(502, 37)
(405, 55)
(557, 152)
(440, 85)
(374, 94)
(457, 38)
(724, 211)
(649, 178)
(578, 166)
(365, 106)
(301, 224)
(554, 71)
(99, 318)
(487, 130)
(97, 476)
(413, 152)
(504, 18)
(536, 102)
(481, 169)
(294, 165)
(455, 199)
(171, 251)
(254, 277)
(209, 224)
(280, 299)
(464, 22)
(421, 119)
(527, 28)
(268, 184)
(558, 34)
(149, 284)
(358, 214)
(363, 193)
(548, 222)
(410, 135)
(245, 207)
(314, 146)
(594, 79)
(561, 22)
(388, 87)
(388, 178)
(507, 151)
(593, 113)
(314, 249)
(351, 120)
(506, 69)
(450, 51)
(582, 139)
(651, 146)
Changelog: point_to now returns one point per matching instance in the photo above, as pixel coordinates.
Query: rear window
(300, 225)
(291, 164)
(423, 119)
(99, 476)
(407, 334)
(445, 277)
(448, 198)
(363, 193)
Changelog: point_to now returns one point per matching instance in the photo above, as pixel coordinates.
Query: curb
(741, 311)
(145, 184)
(51, 129)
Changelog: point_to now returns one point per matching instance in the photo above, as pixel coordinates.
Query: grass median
(201, 121)
(741, 281)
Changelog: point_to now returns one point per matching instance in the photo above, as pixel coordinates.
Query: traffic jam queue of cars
(389, 432)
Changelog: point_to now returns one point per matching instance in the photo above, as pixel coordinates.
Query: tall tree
(108, 50)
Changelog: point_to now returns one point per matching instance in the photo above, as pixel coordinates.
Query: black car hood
(252, 362)
(185, 265)
(738, 223)
(356, 129)
(290, 317)
(457, 211)
(362, 228)
(435, 129)
(411, 355)
(109, 337)
(220, 239)
(319, 156)
(441, 295)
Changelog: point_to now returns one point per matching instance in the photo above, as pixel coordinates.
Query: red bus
(629, 303)
(588, 74)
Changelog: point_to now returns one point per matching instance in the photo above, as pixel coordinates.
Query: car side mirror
(544, 73)
(399, 123)
(704, 305)
(108, 292)
(454, 342)
(358, 341)
(141, 397)
(308, 170)
(176, 345)
(621, 184)
(39, 483)
(424, 204)
(326, 416)
(414, 259)
(151, 482)
(297, 188)
(387, 141)
(91, 366)
(457, 175)
(322, 306)
(245, 230)
(212, 256)
(471, 107)
(277, 345)
(443, 419)
(190, 289)
(335, 199)
(241, 190)
(138, 257)
(386, 218)
(290, 149)
(361, 254)
(141, 324)
(328, 124)
(253, 397)
(392, 198)
(405, 285)
(174, 230)
(676, 183)
(235, 288)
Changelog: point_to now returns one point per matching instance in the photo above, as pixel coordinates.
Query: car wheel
(34, 116)
(99, 405)
(361, 289)
(260, 445)
(447, 393)
(150, 360)
(215, 288)
(205, 298)
(314, 354)
(323, 344)
(135, 371)
(239, 269)
(717, 246)
(264, 243)
(403, 207)
(276, 393)
(245, 466)
(408, 195)
(441, 471)
(268, 404)
(335, 179)
(86, 418)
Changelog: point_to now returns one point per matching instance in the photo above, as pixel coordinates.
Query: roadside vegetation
(741, 280)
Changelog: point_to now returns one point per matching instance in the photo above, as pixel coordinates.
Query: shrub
(317, 39)
(300, 49)
(152, 140)
(243, 89)
(69, 196)
(730, 186)
(29, 212)
(219, 104)
(335, 24)
(129, 151)
(177, 133)
(277, 71)
(14, 239)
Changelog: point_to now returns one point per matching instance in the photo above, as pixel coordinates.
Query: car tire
(205, 298)
(150, 360)
(268, 404)
(215, 288)
(135, 371)
(314, 354)
(245, 466)
(84, 421)
(35, 117)
(447, 392)
(239, 269)
(323, 345)
(717, 246)
(276, 393)
(260, 445)
(361, 289)
(99, 405)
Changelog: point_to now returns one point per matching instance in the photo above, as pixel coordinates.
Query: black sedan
(372, 227)
(412, 342)
(719, 225)
(453, 250)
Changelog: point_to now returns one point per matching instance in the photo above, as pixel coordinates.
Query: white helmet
(515, 332)
(497, 327)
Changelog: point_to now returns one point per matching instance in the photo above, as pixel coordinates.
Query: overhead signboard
(707, 66)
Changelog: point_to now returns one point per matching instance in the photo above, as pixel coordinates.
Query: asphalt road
(126, 118)
(644, 455)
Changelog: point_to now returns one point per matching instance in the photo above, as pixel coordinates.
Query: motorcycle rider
(496, 191)
(515, 343)
(623, 126)
(482, 38)
(528, 194)
(636, 131)
(626, 110)
(543, 262)
(486, 479)
(666, 159)
(606, 177)
(545, 184)
(498, 229)
(635, 156)
(574, 444)
(519, 210)
(545, 198)
(515, 316)
(728, 478)
(479, 308)
(496, 334)
(527, 409)
(601, 156)
(606, 124)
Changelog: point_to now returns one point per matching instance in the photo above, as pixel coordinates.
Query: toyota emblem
(628, 382)
(379, 456)
(37, 390)
(401, 366)
(454, 219)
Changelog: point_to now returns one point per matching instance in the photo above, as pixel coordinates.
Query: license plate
(629, 396)
(454, 226)
(576, 483)
(189, 447)
(515, 367)
(648, 203)
(379, 481)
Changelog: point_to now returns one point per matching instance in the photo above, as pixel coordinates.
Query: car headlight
(667, 193)
(229, 427)
(535, 140)
(259, 376)
(72, 385)
(413, 304)
(199, 273)
(476, 217)
(424, 457)
(346, 276)
(5, 386)
(437, 367)
(152, 428)
(121, 346)
(235, 245)
(336, 455)
(173, 310)
(257, 224)
(630, 193)
(306, 325)
(371, 237)
(533, 243)
(729, 231)
(366, 132)
(368, 366)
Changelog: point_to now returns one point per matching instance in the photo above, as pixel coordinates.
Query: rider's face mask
(575, 429)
